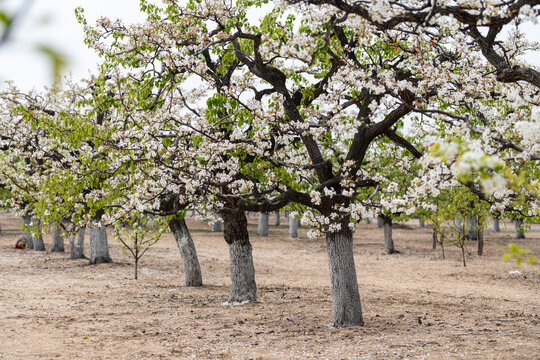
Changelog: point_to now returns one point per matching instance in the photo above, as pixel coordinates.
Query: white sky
(52, 23)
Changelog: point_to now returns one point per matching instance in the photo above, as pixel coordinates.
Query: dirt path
(416, 305)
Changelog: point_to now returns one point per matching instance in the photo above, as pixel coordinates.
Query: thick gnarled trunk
(99, 248)
(346, 305)
(188, 253)
(243, 285)
(57, 239)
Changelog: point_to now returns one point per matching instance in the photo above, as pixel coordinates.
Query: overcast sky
(52, 23)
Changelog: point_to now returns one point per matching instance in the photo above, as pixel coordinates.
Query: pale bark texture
(263, 224)
(243, 285)
(27, 219)
(421, 223)
(216, 227)
(496, 225)
(368, 221)
(188, 253)
(39, 245)
(518, 228)
(76, 250)
(276, 218)
(293, 227)
(473, 228)
(346, 305)
(388, 240)
(287, 216)
(57, 239)
(434, 239)
(380, 222)
(99, 248)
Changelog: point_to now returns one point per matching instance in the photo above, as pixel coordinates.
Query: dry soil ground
(416, 305)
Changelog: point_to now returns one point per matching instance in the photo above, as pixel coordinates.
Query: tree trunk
(368, 221)
(496, 226)
(57, 239)
(136, 269)
(388, 240)
(188, 253)
(276, 218)
(518, 227)
(287, 216)
(39, 245)
(293, 227)
(76, 251)
(480, 241)
(346, 305)
(463, 255)
(263, 224)
(216, 227)
(421, 223)
(380, 222)
(27, 220)
(473, 228)
(243, 286)
(434, 240)
(99, 249)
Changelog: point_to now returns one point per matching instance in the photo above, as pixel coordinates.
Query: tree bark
(243, 285)
(39, 245)
(388, 240)
(496, 226)
(216, 227)
(518, 228)
(276, 218)
(76, 251)
(434, 240)
(421, 223)
(346, 305)
(99, 248)
(368, 221)
(473, 228)
(263, 224)
(380, 222)
(293, 227)
(27, 220)
(188, 253)
(480, 241)
(57, 239)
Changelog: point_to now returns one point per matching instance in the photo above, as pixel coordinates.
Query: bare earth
(415, 304)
